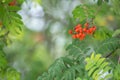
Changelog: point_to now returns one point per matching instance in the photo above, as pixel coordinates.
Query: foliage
(116, 33)
(11, 20)
(103, 33)
(83, 12)
(76, 65)
(116, 72)
(108, 45)
(62, 69)
(10, 29)
(116, 5)
(9, 74)
(97, 67)
(3, 62)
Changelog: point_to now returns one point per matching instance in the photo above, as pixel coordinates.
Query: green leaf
(116, 72)
(82, 12)
(78, 78)
(12, 74)
(92, 56)
(116, 33)
(108, 45)
(13, 8)
(87, 59)
(102, 33)
(97, 67)
(3, 61)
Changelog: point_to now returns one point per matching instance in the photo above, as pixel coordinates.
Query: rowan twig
(110, 53)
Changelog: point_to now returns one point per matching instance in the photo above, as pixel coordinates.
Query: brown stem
(110, 53)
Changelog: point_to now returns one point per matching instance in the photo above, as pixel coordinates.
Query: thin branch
(110, 53)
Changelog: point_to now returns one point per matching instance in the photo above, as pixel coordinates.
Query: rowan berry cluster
(80, 33)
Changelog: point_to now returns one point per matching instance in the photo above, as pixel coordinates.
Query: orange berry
(83, 35)
(75, 27)
(80, 30)
(81, 38)
(87, 31)
(77, 35)
(13, 3)
(91, 30)
(80, 34)
(70, 32)
(77, 30)
(74, 36)
(79, 25)
(84, 29)
(94, 28)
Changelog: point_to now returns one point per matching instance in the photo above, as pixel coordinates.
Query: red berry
(79, 25)
(83, 35)
(91, 30)
(74, 36)
(94, 28)
(80, 34)
(80, 30)
(70, 32)
(77, 35)
(13, 3)
(86, 24)
(81, 38)
(84, 29)
(87, 31)
(77, 30)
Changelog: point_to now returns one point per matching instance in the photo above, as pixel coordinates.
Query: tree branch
(110, 53)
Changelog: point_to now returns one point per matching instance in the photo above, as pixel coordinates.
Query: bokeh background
(45, 35)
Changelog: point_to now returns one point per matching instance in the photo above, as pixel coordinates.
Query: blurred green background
(45, 35)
